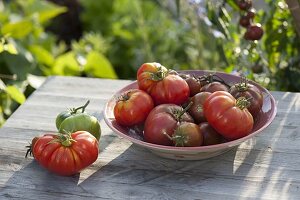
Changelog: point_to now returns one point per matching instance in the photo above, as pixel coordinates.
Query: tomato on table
(66, 154)
(76, 119)
(164, 86)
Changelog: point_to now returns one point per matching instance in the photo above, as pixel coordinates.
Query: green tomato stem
(82, 107)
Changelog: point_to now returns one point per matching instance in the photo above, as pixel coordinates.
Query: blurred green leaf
(18, 29)
(45, 9)
(66, 64)
(2, 85)
(178, 7)
(99, 66)
(6, 45)
(233, 4)
(15, 94)
(6, 103)
(17, 64)
(41, 54)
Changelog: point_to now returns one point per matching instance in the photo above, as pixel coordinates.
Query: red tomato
(133, 107)
(163, 86)
(250, 92)
(187, 135)
(196, 109)
(228, 116)
(162, 121)
(66, 154)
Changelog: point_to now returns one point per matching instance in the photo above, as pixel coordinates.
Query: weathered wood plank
(266, 167)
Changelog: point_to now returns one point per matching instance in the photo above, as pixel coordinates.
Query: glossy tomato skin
(213, 87)
(244, 21)
(254, 32)
(81, 121)
(223, 114)
(133, 107)
(253, 94)
(162, 85)
(187, 134)
(162, 120)
(66, 160)
(210, 135)
(193, 84)
(196, 109)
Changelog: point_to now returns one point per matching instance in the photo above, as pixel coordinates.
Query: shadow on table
(251, 170)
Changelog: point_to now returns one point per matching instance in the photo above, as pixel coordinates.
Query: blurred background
(112, 38)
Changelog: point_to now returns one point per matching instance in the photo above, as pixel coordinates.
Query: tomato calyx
(242, 103)
(179, 138)
(243, 85)
(30, 147)
(65, 139)
(160, 74)
(124, 97)
(177, 114)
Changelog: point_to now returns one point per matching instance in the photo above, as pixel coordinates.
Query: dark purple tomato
(251, 93)
(254, 32)
(244, 21)
(251, 13)
(193, 83)
(213, 87)
(244, 4)
(210, 135)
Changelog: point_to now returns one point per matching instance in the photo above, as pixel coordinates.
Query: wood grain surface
(266, 167)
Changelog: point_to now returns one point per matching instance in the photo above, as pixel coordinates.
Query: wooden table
(267, 167)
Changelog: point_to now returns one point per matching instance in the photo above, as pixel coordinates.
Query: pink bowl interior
(264, 118)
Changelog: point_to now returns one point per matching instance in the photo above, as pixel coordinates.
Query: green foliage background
(120, 35)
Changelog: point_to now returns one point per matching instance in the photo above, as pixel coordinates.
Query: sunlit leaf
(42, 55)
(99, 66)
(15, 94)
(2, 85)
(66, 64)
(18, 29)
(45, 10)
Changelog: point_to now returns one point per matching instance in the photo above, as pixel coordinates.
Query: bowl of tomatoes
(189, 115)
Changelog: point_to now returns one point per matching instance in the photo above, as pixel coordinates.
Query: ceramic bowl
(264, 118)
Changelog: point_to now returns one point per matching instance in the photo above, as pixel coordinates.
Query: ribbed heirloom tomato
(228, 116)
(164, 86)
(65, 154)
(133, 107)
